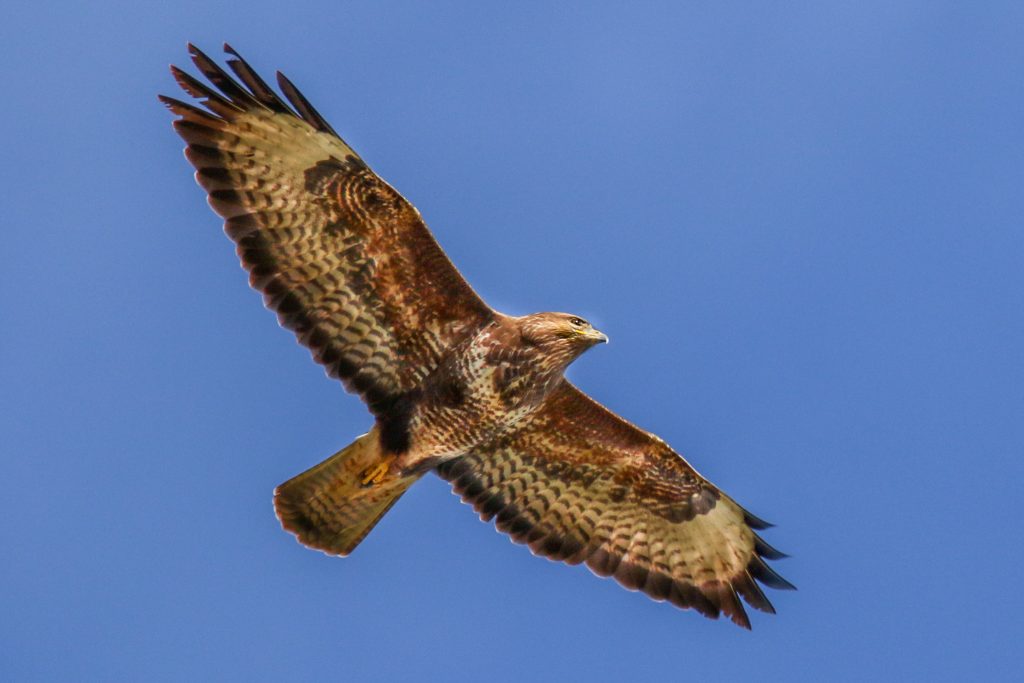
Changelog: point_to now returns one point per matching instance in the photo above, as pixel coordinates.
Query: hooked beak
(598, 337)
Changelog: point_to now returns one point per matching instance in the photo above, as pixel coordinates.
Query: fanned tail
(334, 505)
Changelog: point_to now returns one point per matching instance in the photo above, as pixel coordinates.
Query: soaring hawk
(455, 387)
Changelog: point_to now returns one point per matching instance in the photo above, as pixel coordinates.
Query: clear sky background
(801, 226)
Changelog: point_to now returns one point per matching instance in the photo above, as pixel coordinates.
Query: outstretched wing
(580, 484)
(345, 261)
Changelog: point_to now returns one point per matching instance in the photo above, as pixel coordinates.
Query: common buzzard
(455, 387)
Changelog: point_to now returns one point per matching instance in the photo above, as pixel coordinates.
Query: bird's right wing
(345, 261)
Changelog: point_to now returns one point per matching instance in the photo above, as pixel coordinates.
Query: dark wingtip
(258, 88)
(768, 576)
(746, 586)
(762, 548)
(755, 522)
(306, 110)
(733, 607)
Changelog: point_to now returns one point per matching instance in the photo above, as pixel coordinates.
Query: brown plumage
(349, 266)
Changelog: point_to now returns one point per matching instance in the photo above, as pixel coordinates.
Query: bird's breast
(477, 395)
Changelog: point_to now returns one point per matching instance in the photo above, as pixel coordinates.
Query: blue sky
(801, 226)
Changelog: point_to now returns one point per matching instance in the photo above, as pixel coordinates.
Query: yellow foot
(375, 475)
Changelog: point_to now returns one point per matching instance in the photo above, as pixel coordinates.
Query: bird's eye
(578, 322)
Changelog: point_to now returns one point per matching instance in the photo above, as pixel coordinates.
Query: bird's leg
(375, 474)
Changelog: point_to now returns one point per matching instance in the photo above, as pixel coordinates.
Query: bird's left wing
(578, 484)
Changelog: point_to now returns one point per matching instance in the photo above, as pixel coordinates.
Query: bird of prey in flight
(454, 386)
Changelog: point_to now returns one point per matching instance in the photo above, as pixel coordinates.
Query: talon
(374, 475)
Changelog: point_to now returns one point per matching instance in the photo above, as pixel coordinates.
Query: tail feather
(333, 505)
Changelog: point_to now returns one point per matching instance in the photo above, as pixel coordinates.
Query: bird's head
(560, 334)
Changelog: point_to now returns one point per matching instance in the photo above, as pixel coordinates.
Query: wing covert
(343, 259)
(579, 484)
